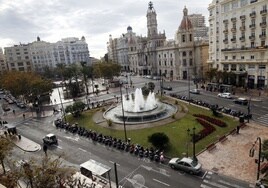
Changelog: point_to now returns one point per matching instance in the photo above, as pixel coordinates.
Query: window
(170, 55)
(20, 64)
(242, 67)
(171, 63)
(263, 43)
(165, 63)
(12, 64)
(234, 57)
(190, 53)
(226, 7)
(165, 55)
(184, 63)
(225, 67)
(235, 5)
(191, 62)
(251, 67)
(159, 56)
(263, 31)
(252, 57)
(242, 57)
(243, 2)
(183, 38)
(159, 63)
(184, 54)
(263, 19)
(252, 44)
(190, 36)
(262, 67)
(233, 67)
(226, 57)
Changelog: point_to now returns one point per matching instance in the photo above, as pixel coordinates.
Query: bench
(222, 139)
(210, 147)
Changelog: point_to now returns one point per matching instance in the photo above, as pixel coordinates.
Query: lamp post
(249, 108)
(187, 144)
(194, 156)
(123, 113)
(251, 154)
(193, 139)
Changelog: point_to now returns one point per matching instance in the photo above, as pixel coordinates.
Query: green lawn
(176, 131)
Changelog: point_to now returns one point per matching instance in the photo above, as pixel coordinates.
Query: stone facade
(179, 58)
(238, 40)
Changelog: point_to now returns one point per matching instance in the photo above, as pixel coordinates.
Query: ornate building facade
(154, 55)
(238, 40)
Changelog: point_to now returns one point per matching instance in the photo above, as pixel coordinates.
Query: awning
(95, 167)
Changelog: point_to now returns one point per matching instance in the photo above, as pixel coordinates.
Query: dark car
(167, 88)
(241, 101)
(50, 139)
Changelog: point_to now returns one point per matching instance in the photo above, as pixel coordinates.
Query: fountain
(138, 109)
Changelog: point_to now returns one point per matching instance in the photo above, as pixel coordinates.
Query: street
(132, 170)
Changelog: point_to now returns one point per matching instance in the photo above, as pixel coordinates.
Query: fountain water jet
(138, 109)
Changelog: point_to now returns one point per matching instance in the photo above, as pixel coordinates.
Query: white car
(185, 164)
(225, 95)
(195, 91)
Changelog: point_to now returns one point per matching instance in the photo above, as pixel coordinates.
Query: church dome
(129, 28)
(185, 23)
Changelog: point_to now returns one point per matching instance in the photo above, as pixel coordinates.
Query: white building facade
(39, 54)
(238, 40)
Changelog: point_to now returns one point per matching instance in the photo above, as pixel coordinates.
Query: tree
(47, 173)
(26, 84)
(151, 86)
(76, 108)
(5, 148)
(211, 74)
(159, 140)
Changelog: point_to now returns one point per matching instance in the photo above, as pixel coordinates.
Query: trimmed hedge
(212, 120)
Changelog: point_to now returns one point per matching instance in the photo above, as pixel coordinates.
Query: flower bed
(208, 129)
(211, 120)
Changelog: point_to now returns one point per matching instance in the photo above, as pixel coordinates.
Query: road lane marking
(82, 150)
(161, 182)
(71, 138)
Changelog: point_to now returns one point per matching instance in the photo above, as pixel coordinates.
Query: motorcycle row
(222, 109)
(135, 149)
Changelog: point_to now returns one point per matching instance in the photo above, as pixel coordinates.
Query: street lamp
(123, 113)
(187, 145)
(193, 139)
(251, 154)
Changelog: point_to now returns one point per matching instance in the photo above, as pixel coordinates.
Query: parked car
(241, 101)
(50, 139)
(225, 95)
(195, 91)
(185, 164)
(156, 78)
(167, 88)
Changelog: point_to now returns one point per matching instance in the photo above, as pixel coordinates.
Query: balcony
(225, 21)
(263, 24)
(225, 31)
(252, 15)
(263, 12)
(252, 37)
(233, 29)
(225, 41)
(262, 36)
(233, 19)
(252, 26)
(253, 1)
(233, 39)
(242, 28)
(243, 17)
(242, 39)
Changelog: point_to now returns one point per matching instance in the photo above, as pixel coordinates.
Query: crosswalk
(212, 180)
(263, 120)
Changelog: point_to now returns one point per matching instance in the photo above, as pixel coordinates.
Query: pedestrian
(55, 101)
(5, 133)
(23, 116)
(14, 112)
(237, 129)
(45, 149)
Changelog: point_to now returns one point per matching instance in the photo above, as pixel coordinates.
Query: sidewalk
(231, 157)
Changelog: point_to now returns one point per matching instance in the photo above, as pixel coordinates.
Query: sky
(21, 21)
